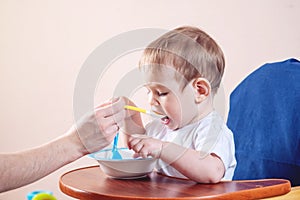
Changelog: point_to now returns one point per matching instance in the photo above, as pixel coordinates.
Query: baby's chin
(175, 125)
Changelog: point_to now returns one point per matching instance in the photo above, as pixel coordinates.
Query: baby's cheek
(176, 116)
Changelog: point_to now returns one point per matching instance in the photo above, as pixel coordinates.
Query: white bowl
(125, 168)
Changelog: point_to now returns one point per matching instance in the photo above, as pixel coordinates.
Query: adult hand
(96, 130)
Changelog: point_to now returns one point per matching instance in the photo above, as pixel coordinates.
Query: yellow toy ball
(43, 196)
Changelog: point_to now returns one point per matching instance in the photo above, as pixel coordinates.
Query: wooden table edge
(284, 188)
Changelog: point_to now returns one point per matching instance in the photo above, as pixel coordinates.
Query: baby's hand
(145, 146)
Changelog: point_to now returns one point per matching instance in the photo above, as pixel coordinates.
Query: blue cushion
(264, 117)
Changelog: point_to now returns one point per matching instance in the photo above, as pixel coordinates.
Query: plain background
(43, 45)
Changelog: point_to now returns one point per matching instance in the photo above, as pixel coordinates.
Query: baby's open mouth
(165, 120)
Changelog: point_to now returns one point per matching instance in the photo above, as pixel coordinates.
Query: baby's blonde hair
(192, 53)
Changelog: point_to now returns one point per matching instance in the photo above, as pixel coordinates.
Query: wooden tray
(90, 183)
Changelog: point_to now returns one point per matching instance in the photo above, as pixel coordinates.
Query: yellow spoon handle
(151, 113)
(135, 109)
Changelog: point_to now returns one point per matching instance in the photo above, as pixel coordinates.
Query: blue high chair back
(264, 117)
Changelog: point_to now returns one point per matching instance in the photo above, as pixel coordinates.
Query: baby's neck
(205, 107)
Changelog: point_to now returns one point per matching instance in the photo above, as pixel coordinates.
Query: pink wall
(43, 45)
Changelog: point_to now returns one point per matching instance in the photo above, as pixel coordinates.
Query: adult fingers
(111, 130)
(104, 123)
(110, 108)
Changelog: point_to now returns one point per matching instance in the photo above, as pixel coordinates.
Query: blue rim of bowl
(92, 155)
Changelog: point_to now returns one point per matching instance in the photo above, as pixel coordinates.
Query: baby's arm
(192, 164)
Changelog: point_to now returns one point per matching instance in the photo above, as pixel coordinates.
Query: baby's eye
(162, 93)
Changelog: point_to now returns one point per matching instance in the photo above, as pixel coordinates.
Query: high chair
(264, 117)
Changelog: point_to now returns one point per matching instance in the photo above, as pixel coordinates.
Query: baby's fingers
(136, 155)
(142, 154)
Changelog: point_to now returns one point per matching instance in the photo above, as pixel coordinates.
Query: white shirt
(209, 135)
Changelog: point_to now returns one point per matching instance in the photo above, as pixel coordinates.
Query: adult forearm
(92, 132)
(21, 168)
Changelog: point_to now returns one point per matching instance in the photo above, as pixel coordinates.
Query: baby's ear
(202, 89)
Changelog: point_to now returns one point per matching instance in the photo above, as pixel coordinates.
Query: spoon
(115, 152)
(148, 112)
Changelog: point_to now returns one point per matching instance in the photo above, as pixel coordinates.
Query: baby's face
(167, 97)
